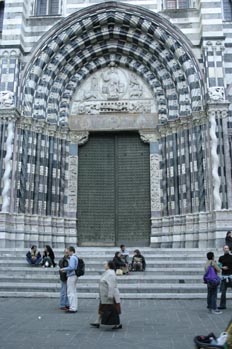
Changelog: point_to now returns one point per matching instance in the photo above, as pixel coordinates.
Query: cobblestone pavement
(157, 324)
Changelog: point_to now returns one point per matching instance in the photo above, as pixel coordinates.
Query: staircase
(170, 274)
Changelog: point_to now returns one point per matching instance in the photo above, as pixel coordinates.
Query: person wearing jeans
(226, 265)
(64, 303)
(212, 290)
(72, 280)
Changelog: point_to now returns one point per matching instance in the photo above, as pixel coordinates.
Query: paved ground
(156, 324)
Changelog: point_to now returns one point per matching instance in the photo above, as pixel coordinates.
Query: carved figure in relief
(92, 93)
(6, 99)
(112, 86)
(136, 90)
(216, 93)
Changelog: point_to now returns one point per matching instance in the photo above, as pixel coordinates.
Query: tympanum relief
(113, 98)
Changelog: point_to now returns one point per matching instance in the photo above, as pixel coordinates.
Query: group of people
(47, 260)
(109, 306)
(122, 262)
(223, 268)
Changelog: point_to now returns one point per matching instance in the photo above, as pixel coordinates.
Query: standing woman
(109, 307)
(212, 289)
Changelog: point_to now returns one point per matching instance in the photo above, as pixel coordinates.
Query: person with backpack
(63, 263)
(71, 280)
(212, 281)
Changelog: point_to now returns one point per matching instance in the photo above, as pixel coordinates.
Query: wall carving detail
(6, 99)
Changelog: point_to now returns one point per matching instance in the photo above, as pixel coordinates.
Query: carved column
(75, 139)
(8, 168)
(214, 160)
(151, 137)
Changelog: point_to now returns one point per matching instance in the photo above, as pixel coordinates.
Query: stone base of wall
(19, 230)
(204, 229)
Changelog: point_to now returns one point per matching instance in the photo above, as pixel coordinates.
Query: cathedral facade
(115, 123)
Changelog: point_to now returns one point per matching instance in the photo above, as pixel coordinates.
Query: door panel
(96, 192)
(114, 191)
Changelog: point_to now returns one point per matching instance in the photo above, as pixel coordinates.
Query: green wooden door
(114, 191)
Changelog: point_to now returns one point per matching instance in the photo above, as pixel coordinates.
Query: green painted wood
(114, 191)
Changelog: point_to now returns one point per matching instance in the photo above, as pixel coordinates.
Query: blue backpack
(211, 278)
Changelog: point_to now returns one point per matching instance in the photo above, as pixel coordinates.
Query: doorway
(114, 190)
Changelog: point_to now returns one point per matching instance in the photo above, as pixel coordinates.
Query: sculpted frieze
(113, 90)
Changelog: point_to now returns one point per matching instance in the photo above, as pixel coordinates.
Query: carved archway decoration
(131, 37)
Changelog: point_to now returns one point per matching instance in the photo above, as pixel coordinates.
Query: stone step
(93, 287)
(145, 279)
(94, 295)
(170, 274)
(98, 264)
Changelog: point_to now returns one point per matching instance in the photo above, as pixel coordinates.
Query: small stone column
(75, 139)
(217, 110)
(152, 138)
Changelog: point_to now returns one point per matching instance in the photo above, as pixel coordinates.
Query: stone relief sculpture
(136, 89)
(216, 93)
(113, 86)
(6, 99)
(113, 90)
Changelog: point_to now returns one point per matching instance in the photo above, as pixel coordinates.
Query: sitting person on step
(124, 254)
(138, 261)
(33, 256)
(120, 264)
(48, 257)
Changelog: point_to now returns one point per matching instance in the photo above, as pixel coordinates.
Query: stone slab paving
(157, 324)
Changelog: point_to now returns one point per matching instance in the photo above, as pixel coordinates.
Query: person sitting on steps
(48, 257)
(33, 256)
(138, 261)
(120, 264)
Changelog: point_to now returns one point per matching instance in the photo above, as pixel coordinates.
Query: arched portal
(112, 67)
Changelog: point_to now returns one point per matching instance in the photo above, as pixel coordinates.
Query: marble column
(76, 139)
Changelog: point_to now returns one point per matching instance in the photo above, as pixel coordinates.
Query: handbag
(119, 272)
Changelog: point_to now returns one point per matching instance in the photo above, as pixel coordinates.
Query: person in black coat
(228, 240)
(119, 263)
(138, 261)
(48, 257)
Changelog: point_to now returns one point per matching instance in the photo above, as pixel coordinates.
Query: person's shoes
(216, 311)
(68, 311)
(95, 325)
(221, 307)
(64, 308)
(117, 327)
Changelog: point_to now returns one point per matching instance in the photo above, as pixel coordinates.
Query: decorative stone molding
(8, 168)
(79, 138)
(6, 99)
(155, 183)
(72, 185)
(148, 136)
(216, 93)
(182, 123)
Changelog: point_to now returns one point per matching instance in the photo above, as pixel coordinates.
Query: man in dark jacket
(225, 263)
(63, 263)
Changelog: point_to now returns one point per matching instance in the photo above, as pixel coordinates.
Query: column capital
(79, 138)
(149, 136)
